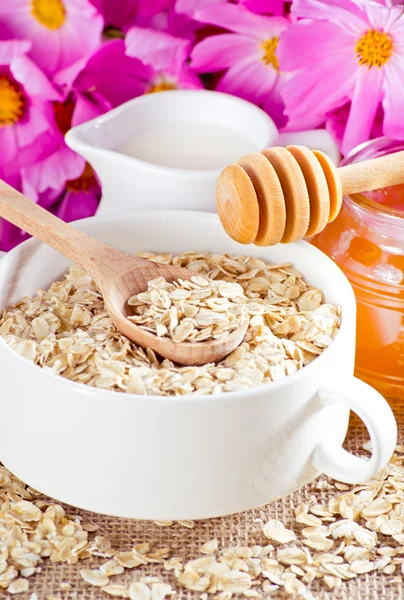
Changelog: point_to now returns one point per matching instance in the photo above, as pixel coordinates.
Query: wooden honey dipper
(285, 194)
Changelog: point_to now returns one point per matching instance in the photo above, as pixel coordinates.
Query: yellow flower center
(12, 101)
(374, 48)
(161, 86)
(50, 13)
(84, 183)
(269, 57)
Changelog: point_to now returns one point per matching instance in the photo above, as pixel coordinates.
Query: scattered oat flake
(275, 530)
(210, 547)
(378, 507)
(291, 556)
(391, 527)
(94, 577)
(129, 560)
(64, 586)
(160, 591)
(18, 586)
(111, 568)
(188, 524)
(139, 591)
(119, 591)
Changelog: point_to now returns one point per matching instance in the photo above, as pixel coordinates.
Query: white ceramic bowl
(186, 457)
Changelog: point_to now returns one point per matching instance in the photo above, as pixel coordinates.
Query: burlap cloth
(240, 529)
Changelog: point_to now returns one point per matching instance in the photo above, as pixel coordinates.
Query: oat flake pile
(67, 330)
(195, 310)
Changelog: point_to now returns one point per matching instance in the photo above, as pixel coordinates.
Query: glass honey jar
(367, 242)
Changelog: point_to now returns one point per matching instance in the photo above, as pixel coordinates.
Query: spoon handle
(93, 256)
(373, 174)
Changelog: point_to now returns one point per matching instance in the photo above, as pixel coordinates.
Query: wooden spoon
(285, 194)
(118, 276)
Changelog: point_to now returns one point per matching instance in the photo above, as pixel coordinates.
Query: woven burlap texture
(240, 529)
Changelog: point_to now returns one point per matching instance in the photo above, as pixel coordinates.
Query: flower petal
(79, 205)
(393, 102)
(239, 19)
(158, 49)
(149, 8)
(274, 105)
(54, 49)
(42, 146)
(186, 79)
(88, 107)
(111, 73)
(308, 92)
(337, 120)
(312, 42)
(276, 7)
(8, 145)
(365, 101)
(117, 13)
(49, 198)
(65, 78)
(40, 119)
(249, 79)
(345, 13)
(11, 49)
(189, 7)
(52, 172)
(10, 236)
(381, 17)
(35, 82)
(219, 52)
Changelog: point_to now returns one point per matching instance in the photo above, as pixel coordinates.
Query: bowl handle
(331, 459)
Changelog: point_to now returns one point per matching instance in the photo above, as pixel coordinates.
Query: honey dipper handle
(373, 174)
(93, 256)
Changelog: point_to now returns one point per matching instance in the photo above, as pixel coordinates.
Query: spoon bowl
(117, 290)
(118, 276)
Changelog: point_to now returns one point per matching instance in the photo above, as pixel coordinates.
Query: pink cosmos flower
(108, 77)
(345, 50)
(248, 54)
(29, 133)
(61, 31)
(26, 97)
(58, 163)
(90, 87)
(165, 56)
(59, 179)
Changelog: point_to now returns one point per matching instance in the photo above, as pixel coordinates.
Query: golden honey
(367, 242)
